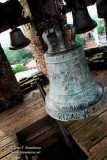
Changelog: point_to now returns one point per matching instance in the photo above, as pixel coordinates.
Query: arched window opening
(22, 61)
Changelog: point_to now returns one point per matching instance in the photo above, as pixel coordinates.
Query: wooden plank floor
(90, 133)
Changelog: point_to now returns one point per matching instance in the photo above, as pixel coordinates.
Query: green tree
(26, 60)
(80, 40)
(100, 21)
(18, 68)
(100, 26)
(16, 56)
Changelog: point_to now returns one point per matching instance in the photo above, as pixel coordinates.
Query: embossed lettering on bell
(73, 94)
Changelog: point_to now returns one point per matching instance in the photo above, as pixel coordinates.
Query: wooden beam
(10, 16)
(95, 136)
(100, 150)
(92, 158)
(12, 156)
(20, 21)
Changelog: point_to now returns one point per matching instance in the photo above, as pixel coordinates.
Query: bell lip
(88, 29)
(101, 103)
(19, 47)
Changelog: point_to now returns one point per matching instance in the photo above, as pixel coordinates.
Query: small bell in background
(17, 39)
(81, 18)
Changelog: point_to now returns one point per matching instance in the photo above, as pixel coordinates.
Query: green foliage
(80, 40)
(26, 60)
(100, 21)
(100, 26)
(16, 56)
(18, 68)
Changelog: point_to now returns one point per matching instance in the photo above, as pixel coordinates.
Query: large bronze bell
(82, 21)
(17, 39)
(73, 94)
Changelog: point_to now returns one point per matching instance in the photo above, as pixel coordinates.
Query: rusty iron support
(62, 130)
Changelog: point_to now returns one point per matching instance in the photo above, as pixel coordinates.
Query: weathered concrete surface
(10, 93)
(101, 8)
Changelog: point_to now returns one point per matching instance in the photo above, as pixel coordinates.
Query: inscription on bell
(79, 115)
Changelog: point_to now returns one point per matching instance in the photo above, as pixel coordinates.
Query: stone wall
(35, 45)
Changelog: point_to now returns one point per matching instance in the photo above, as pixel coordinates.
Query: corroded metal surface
(18, 39)
(53, 39)
(57, 38)
(74, 94)
(82, 21)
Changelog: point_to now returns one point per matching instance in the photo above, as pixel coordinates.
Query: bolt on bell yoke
(73, 94)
